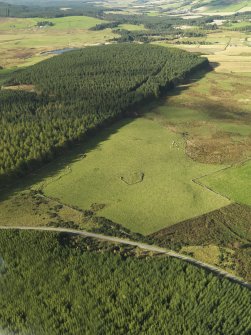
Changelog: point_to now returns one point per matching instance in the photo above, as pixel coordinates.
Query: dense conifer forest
(78, 92)
(109, 289)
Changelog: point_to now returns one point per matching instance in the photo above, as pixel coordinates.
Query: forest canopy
(108, 289)
(79, 91)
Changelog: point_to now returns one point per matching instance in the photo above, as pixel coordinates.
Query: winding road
(140, 245)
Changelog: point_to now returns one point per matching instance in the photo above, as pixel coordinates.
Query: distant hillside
(221, 5)
(204, 6)
(200, 6)
(47, 9)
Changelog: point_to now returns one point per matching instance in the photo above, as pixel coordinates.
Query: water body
(58, 51)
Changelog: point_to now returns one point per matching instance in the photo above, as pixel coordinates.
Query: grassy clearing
(234, 182)
(232, 63)
(148, 153)
(212, 254)
(139, 148)
(4, 73)
(28, 208)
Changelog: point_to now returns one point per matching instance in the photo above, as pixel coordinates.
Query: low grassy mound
(81, 286)
(78, 92)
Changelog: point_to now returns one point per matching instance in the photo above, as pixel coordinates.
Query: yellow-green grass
(153, 13)
(234, 182)
(242, 24)
(225, 91)
(132, 27)
(27, 209)
(230, 63)
(69, 22)
(163, 195)
(21, 45)
(212, 254)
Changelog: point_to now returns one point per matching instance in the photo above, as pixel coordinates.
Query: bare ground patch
(27, 88)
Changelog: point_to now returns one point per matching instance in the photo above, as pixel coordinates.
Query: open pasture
(149, 184)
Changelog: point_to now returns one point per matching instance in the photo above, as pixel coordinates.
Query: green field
(164, 195)
(234, 183)
(69, 22)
